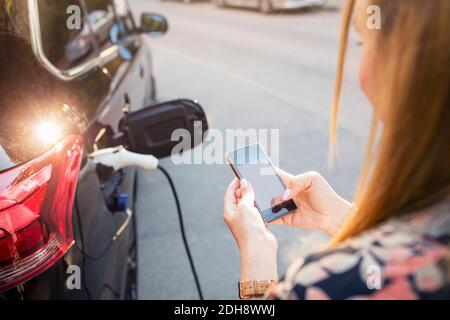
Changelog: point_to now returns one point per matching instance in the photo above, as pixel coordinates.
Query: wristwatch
(254, 288)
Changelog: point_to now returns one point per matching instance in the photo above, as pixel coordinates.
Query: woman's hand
(319, 207)
(257, 245)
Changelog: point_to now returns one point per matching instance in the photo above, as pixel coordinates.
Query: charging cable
(183, 233)
(118, 158)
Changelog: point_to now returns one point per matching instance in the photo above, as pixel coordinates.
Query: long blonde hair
(407, 167)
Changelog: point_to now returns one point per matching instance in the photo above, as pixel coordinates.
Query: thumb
(284, 176)
(298, 184)
(248, 195)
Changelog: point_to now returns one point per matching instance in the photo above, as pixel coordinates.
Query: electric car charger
(118, 158)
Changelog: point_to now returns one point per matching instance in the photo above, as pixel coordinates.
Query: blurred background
(248, 69)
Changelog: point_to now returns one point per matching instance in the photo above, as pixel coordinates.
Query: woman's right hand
(319, 206)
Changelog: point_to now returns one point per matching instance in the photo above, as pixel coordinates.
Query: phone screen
(253, 164)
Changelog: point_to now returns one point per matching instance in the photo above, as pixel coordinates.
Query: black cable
(87, 256)
(135, 230)
(82, 250)
(77, 211)
(183, 233)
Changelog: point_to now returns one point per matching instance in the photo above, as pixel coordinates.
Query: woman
(393, 243)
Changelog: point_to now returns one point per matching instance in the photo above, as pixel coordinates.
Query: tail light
(36, 212)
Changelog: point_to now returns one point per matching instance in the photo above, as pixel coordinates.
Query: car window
(101, 19)
(124, 17)
(65, 35)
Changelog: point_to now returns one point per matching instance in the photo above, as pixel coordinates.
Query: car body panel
(92, 104)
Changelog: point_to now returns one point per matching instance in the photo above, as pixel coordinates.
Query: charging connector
(118, 158)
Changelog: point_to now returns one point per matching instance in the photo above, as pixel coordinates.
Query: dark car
(67, 225)
(100, 23)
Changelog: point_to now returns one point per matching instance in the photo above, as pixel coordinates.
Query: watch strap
(254, 288)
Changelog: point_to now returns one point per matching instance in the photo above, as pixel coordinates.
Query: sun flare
(48, 132)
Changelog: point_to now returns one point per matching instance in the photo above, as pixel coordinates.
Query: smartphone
(253, 164)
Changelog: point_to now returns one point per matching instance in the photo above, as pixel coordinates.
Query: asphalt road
(248, 70)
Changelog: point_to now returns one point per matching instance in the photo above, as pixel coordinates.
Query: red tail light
(36, 212)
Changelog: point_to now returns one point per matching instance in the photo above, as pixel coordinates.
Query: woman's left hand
(257, 245)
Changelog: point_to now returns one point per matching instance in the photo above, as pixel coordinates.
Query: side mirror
(153, 24)
(149, 131)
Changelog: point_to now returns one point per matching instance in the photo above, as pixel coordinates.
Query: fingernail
(244, 183)
(286, 194)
